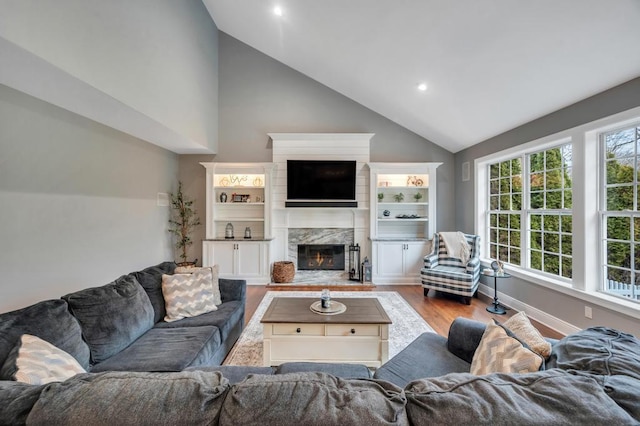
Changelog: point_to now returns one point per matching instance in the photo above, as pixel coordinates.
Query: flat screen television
(318, 180)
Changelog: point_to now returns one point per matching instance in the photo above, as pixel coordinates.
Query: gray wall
(158, 57)
(259, 95)
(78, 202)
(567, 308)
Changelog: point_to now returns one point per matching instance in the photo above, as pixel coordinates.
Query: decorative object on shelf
(498, 267)
(325, 299)
(183, 221)
(354, 262)
(417, 196)
(257, 181)
(386, 213)
(223, 197)
(366, 270)
(283, 271)
(380, 196)
(414, 181)
(399, 197)
(407, 216)
(228, 232)
(247, 233)
(240, 198)
(258, 199)
(237, 180)
(224, 181)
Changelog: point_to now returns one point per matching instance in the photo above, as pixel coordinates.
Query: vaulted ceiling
(489, 65)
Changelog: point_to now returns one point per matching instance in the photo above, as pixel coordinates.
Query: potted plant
(417, 196)
(399, 197)
(380, 196)
(183, 221)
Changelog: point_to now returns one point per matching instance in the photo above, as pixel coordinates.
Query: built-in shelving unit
(239, 195)
(403, 201)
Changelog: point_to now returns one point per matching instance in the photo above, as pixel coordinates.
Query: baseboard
(542, 317)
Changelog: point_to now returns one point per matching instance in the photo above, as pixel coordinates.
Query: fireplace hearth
(314, 257)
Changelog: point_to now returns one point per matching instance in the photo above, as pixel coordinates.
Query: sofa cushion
(520, 325)
(225, 317)
(166, 349)
(426, 356)
(235, 373)
(599, 350)
(111, 316)
(185, 398)
(37, 362)
(501, 352)
(16, 400)
(345, 371)
(151, 280)
(551, 397)
(312, 399)
(187, 295)
(51, 321)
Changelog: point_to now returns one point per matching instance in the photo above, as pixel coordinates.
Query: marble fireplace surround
(320, 236)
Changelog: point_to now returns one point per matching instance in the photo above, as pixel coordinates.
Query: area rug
(407, 324)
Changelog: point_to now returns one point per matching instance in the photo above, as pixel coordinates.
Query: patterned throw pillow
(188, 295)
(217, 298)
(500, 353)
(520, 325)
(37, 362)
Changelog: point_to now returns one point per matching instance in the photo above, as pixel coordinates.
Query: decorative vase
(228, 231)
(247, 233)
(223, 197)
(386, 213)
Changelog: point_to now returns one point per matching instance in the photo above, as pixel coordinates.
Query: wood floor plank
(438, 310)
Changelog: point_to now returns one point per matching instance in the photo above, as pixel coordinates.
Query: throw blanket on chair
(456, 245)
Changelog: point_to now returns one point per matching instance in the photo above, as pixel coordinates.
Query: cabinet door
(224, 257)
(389, 259)
(250, 259)
(413, 257)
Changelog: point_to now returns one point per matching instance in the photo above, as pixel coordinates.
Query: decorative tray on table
(333, 309)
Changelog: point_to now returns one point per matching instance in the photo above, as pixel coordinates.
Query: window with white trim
(529, 220)
(619, 211)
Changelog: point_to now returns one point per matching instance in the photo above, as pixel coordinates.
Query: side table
(495, 307)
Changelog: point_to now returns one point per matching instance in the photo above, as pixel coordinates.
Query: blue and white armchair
(446, 273)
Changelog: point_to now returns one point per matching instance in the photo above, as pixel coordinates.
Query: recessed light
(277, 11)
(422, 87)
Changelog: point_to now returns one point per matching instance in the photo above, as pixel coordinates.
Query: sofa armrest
(473, 265)
(464, 337)
(231, 289)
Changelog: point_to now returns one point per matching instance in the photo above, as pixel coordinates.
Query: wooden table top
(360, 310)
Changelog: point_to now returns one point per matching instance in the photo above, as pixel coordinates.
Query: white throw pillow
(38, 362)
(188, 295)
(217, 298)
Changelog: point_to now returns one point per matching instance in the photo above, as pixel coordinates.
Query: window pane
(619, 254)
(552, 263)
(554, 200)
(535, 257)
(551, 223)
(537, 181)
(516, 201)
(566, 223)
(620, 198)
(505, 202)
(636, 229)
(493, 220)
(566, 267)
(536, 221)
(536, 240)
(619, 228)
(503, 237)
(503, 221)
(551, 243)
(505, 185)
(553, 180)
(566, 246)
(493, 249)
(516, 184)
(515, 238)
(514, 221)
(536, 162)
(568, 200)
(494, 186)
(494, 170)
(537, 200)
(514, 256)
(620, 171)
(494, 202)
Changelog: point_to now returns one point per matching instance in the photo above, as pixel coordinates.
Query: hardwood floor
(438, 310)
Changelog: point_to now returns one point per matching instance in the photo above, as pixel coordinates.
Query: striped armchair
(442, 272)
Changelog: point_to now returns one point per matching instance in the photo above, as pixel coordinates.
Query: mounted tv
(317, 183)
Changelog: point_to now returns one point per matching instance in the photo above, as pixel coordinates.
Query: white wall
(158, 58)
(77, 202)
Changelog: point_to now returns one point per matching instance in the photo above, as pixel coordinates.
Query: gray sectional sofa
(591, 377)
(119, 326)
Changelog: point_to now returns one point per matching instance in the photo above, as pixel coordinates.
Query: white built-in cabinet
(239, 194)
(403, 213)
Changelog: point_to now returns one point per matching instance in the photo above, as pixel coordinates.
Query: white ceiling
(490, 65)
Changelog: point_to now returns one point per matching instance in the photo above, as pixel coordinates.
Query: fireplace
(321, 257)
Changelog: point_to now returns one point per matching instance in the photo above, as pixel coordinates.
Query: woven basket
(283, 272)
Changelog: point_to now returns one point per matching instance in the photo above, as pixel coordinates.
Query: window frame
(587, 226)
